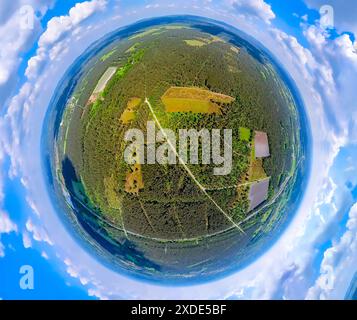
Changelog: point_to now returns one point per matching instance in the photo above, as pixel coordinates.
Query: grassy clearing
(200, 42)
(145, 33)
(96, 105)
(244, 134)
(196, 100)
(107, 56)
(214, 39)
(133, 59)
(256, 170)
(156, 31)
(129, 113)
(132, 48)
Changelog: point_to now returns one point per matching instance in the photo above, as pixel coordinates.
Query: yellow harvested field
(127, 116)
(196, 100)
(216, 39)
(175, 27)
(133, 103)
(200, 42)
(256, 170)
(195, 43)
(191, 105)
(129, 112)
(235, 49)
(134, 180)
(196, 93)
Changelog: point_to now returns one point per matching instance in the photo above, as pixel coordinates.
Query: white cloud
(254, 8)
(152, 5)
(38, 232)
(338, 70)
(44, 255)
(26, 240)
(83, 276)
(97, 293)
(16, 39)
(57, 28)
(33, 206)
(14, 125)
(6, 226)
(337, 260)
(11, 132)
(315, 70)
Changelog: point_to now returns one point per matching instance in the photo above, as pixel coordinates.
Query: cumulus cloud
(38, 232)
(97, 293)
(6, 226)
(329, 67)
(14, 124)
(44, 255)
(338, 68)
(337, 259)
(33, 206)
(17, 37)
(56, 29)
(10, 130)
(58, 26)
(254, 8)
(26, 240)
(85, 278)
(8, 8)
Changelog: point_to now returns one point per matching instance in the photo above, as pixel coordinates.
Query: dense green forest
(170, 205)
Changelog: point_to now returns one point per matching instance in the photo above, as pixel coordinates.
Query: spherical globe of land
(180, 149)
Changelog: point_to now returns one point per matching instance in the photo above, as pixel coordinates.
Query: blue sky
(317, 254)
